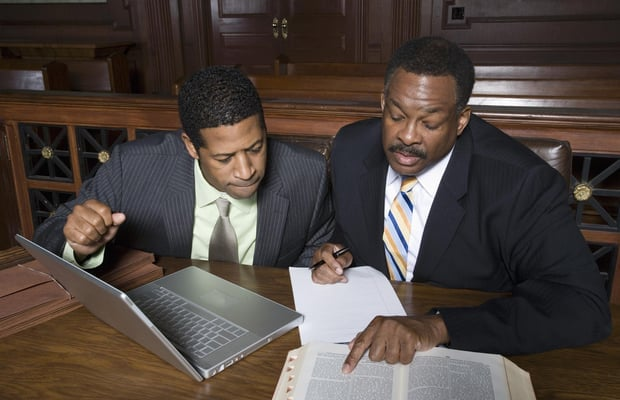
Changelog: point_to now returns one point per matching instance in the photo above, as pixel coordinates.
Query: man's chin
(407, 168)
(242, 192)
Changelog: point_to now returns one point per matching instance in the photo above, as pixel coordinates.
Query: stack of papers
(127, 269)
(29, 295)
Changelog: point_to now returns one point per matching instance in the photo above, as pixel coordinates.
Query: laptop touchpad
(219, 299)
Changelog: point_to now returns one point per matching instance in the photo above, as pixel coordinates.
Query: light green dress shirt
(243, 216)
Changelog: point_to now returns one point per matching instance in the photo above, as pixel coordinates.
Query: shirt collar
(207, 194)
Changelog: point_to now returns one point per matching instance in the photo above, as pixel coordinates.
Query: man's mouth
(243, 185)
(407, 152)
(406, 158)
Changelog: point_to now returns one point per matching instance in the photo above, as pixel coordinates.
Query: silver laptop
(192, 319)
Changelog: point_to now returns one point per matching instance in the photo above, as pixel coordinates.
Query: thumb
(118, 218)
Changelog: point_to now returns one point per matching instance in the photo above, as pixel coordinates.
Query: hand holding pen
(336, 254)
(332, 260)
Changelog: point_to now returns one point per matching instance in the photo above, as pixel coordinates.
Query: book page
(313, 372)
(321, 377)
(336, 313)
(442, 373)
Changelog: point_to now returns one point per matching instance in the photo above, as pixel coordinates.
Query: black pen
(336, 254)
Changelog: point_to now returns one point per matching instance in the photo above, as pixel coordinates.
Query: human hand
(90, 226)
(332, 271)
(396, 339)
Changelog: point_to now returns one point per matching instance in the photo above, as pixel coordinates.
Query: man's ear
(463, 119)
(382, 101)
(191, 149)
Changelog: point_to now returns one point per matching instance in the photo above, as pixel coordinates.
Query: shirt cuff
(95, 259)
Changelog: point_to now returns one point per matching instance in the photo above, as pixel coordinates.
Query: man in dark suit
(484, 213)
(159, 193)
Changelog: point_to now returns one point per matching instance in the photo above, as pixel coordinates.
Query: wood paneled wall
(173, 37)
(528, 31)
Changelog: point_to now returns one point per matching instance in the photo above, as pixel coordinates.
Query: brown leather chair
(557, 153)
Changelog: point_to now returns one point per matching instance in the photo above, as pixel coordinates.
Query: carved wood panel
(257, 32)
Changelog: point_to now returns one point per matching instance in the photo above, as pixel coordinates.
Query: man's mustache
(410, 151)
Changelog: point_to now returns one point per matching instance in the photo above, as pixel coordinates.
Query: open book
(313, 372)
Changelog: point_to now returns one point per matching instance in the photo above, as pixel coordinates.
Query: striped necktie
(223, 245)
(397, 229)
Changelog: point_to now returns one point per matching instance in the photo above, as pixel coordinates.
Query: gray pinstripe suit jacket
(151, 180)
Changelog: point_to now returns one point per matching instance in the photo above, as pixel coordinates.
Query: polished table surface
(78, 356)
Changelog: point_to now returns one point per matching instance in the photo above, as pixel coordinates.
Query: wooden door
(255, 32)
(319, 30)
(241, 31)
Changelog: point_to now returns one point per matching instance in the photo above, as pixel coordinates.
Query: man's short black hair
(217, 96)
(435, 56)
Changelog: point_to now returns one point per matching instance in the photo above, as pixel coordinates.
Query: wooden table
(77, 356)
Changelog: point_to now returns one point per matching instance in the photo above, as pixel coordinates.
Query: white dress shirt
(423, 195)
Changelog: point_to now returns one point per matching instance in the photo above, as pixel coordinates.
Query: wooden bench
(320, 88)
(329, 69)
(70, 117)
(97, 67)
(533, 86)
(564, 72)
(32, 75)
(557, 86)
(108, 74)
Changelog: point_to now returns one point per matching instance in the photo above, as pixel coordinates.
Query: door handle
(274, 27)
(284, 28)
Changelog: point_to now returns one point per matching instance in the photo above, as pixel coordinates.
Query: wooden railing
(57, 140)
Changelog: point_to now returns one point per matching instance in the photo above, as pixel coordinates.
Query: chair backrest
(557, 153)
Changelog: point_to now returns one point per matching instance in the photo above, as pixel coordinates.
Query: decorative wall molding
(164, 45)
(406, 21)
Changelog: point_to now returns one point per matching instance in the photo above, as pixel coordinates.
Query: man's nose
(410, 133)
(244, 168)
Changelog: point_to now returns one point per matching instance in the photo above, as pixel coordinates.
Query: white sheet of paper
(336, 313)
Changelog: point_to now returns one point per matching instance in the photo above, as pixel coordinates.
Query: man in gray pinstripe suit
(158, 194)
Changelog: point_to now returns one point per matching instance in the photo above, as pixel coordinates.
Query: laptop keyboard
(198, 335)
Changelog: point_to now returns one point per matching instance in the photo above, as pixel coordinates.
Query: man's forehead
(226, 144)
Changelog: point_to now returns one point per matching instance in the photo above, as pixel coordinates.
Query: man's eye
(256, 149)
(396, 118)
(431, 127)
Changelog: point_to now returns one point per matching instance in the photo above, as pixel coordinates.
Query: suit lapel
(272, 214)
(178, 207)
(446, 212)
(372, 194)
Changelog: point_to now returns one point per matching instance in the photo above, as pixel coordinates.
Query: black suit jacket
(500, 222)
(151, 180)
